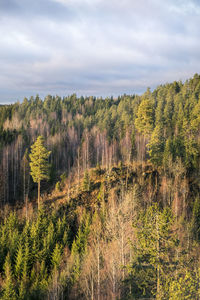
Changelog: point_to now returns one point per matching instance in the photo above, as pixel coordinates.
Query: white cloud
(96, 46)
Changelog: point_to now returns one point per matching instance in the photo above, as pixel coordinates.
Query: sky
(95, 47)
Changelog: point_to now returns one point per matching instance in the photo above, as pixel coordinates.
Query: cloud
(95, 47)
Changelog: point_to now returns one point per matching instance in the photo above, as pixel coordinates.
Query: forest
(118, 211)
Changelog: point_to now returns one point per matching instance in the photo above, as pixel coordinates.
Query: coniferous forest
(100, 198)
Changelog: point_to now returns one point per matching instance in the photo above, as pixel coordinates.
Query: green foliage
(191, 152)
(39, 160)
(63, 178)
(58, 186)
(86, 181)
(196, 219)
(35, 254)
(151, 260)
(56, 256)
(8, 287)
(22, 291)
(58, 243)
(184, 287)
(39, 165)
(79, 248)
(125, 125)
(19, 262)
(156, 146)
(144, 121)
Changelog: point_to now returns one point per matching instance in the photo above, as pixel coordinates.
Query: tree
(39, 163)
(86, 181)
(196, 219)
(184, 287)
(156, 146)
(19, 262)
(8, 288)
(144, 121)
(56, 256)
(154, 256)
(26, 178)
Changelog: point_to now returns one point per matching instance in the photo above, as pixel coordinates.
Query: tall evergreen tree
(56, 256)
(8, 289)
(19, 262)
(156, 146)
(39, 163)
(86, 181)
(145, 117)
(153, 258)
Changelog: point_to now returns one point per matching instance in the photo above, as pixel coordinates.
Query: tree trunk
(98, 271)
(24, 181)
(78, 168)
(122, 253)
(38, 194)
(158, 258)
(92, 288)
(114, 279)
(26, 204)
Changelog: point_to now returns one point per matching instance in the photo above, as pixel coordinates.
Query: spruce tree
(19, 262)
(154, 252)
(39, 163)
(26, 259)
(196, 219)
(156, 146)
(144, 120)
(56, 256)
(22, 291)
(86, 182)
(8, 289)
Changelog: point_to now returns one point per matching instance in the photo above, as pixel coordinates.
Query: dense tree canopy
(120, 213)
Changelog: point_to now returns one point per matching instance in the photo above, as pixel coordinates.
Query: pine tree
(19, 262)
(22, 290)
(26, 258)
(144, 120)
(196, 219)
(184, 287)
(156, 146)
(154, 256)
(56, 256)
(39, 163)
(86, 181)
(75, 263)
(8, 289)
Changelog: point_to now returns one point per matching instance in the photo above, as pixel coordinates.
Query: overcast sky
(95, 47)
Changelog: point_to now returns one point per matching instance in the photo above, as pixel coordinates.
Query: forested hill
(119, 217)
(160, 126)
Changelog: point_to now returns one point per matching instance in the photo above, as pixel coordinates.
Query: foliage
(82, 245)
(38, 250)
(81, 131)
(153, 252)
(86, 181)
(39, 161)
(196, 219)
(39, 165)
(144, 120)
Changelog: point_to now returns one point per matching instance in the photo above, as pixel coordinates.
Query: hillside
(119, 217)
(160, 126)
(98, 239)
